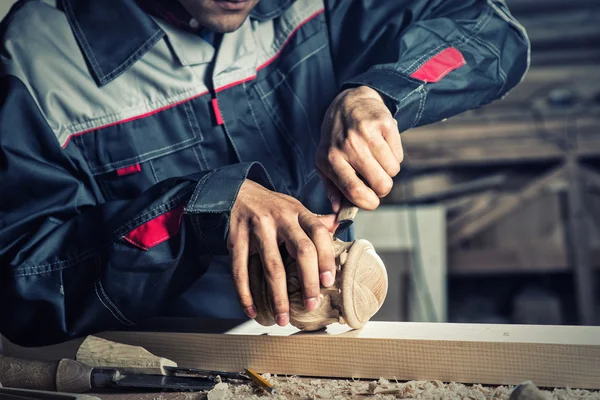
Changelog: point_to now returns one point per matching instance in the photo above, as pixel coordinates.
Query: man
(144, 141)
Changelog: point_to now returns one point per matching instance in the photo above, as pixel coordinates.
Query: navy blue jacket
(124, 140)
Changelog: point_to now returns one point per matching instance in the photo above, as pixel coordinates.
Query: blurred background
(495, 216)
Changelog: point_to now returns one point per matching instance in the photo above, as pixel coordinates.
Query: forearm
(431, 60)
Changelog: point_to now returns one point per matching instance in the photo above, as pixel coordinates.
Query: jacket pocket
(129, 157)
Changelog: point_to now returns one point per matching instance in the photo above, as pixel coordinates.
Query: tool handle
(347, 210)
(64, 376)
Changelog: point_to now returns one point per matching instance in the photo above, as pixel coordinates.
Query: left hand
(360, 149)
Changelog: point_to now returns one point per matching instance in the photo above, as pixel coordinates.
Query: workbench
(424, 354)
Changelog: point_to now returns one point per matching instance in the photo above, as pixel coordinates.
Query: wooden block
(550, 356)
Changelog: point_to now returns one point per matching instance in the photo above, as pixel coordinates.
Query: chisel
(345, 216)
(70, 376)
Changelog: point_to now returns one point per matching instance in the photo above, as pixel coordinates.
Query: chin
(223, 26)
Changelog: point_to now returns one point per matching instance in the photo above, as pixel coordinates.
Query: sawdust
(312, 389)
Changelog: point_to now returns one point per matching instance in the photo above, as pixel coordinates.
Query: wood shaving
(290, 388)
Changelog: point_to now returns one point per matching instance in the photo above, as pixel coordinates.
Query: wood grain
(550, 356)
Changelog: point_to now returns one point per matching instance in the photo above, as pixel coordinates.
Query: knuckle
(318, 229)
(246, 300)
(389, 123)
(352, 189)
(355, 113)
(261, 218)
(331, 156)
(383, 185)
(394, 168)
(280, 304)
(364, 126)
(311, 289)
(274, 269)
(400, 154)
(305, 247)
(239, 275)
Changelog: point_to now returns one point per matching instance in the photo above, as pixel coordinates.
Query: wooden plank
(550, 356)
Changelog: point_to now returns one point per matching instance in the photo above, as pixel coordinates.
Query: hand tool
(345, 216)
(26, 394)
(74, 377)
(215, 376)
(102, 353)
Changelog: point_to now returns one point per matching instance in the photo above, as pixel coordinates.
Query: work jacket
(124, 140)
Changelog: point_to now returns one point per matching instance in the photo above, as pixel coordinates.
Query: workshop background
(495, 216)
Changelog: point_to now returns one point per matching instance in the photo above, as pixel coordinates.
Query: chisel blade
(160, 382)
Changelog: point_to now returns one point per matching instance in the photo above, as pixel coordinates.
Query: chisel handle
(64, 376)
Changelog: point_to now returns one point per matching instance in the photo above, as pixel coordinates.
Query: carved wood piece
(358, 292)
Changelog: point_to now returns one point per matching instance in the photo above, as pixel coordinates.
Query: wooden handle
(347, 210)
(64, 375)
(98, 352)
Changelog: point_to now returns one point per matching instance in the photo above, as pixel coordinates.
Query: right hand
(260, 221)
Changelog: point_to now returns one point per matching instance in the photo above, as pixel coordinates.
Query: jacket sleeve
(428, 59)
(71, 265)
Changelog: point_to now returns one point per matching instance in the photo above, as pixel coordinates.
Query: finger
(239, 252)
(333, 193)
(382, 151)
(343, 175)
(391, 135)
(371, 171)
(274, 273)
(321, 237)
(303, 250)
(329, 221)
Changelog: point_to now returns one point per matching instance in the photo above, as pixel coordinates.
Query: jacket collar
(114, 34)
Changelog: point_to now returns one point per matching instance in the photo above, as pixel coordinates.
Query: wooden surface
(550, 356)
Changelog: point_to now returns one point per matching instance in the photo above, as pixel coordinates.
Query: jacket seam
(136, 55)
(199, 187)
(110, 306)
(97, 123)
(85, 44)
(423, 95)
(150, 155)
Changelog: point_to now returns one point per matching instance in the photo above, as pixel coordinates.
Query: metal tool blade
(202, 373)
(345, 216)
(160, 382)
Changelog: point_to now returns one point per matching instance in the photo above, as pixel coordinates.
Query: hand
(360, 149)
(260, 221)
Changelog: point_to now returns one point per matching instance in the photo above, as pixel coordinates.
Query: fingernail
(282, 319)
(311, 303)
(250, 312)
(327, 278)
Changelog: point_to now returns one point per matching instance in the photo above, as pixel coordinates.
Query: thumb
(329, 220)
